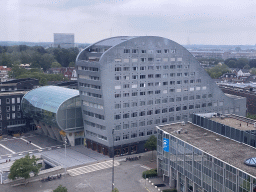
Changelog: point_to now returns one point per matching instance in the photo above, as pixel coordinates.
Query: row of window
(165, 100)
(93, 69)
(157, 68)
(9, 100)
(159, 51)
(150, 76)
(91, 114)
(8, 108)
(8, 115)
(89, 77)
(90, 86)
(133, 135)
(142, 93)
(144, 68)
(94, 125)
(18, 122)
(96, 135)
(94, 105)
(9, 89)
(89, 94)
(159, 111)
(144, 59)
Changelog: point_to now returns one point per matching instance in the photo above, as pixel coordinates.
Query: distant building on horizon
(64, 40)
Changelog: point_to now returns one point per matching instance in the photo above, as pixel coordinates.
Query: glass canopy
(251, 161)
(54, 106)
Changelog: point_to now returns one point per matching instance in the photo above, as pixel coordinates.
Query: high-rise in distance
(132, 84)
(64, 40)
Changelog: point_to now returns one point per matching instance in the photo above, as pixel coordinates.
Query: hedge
(149, 173)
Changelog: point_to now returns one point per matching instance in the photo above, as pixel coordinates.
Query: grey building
(132, 84)
(64, 40)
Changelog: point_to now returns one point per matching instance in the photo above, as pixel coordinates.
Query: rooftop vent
(183, 123)
(217, 139)
(251, 162)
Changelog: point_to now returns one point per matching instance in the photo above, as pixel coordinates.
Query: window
(117, 138)
(150, 132)
(125, 105)
(178, 98)
(164, 120)
(150, 59)
(210, 104)
(117, 95)
(150, 67)
(117, 78)
(204, 96)
(134, 85)
(142, 76)
(157, 121)
(158, 76)
(142, 113)
(134, 124)
(179, 74)
(157, 111)
(185, 74)
(150, 84)
(135, 68)
(198, 97)
(172, 66)
(117, 106)
(178, 90)
(135, 77)
(134, 94)
(126, 50)
(166, 50)
(134, 104)
(150, 102)
(185, 81)
(126, 68)
(142, 103)
(191, 89)
(7, 100)
(204, 88)
(210, 96)
(150, 92)
(18, 107)
(171, 109)
(126, 77)
(172, 90)
(134, 114)
(142, 85)
(143, 68)
(164, 110)
(184, 108)
(172, 74)
(171, 100)
(204, 105)
(157, 91)
(165, 83)
(118, 127)
(191, 107)
(192, 81)
(158, 68)
(134, 60)
(133, 135)
(171, 118)
(157, 83)
(172, 82)
(117, 117)
(134, 51)
(142, 123)
(118, 69)
(178, 82)
(141, 134)
(13, 107)
(157, 101)
(125, 86)
(220, 103)
(179, 66)
(7, 116)
(13, 100)
(125, 126)
(8, 108)
(143, 59)
(150, 112)
(178, 108)
(165, 75)
(143, 51)
(164, 100)
(126, 115)
(150, 76)
(197, 106)
(191, 97)
(165, 67)
(185, 98)
(126, 136)
(150, 122)
(13, 115)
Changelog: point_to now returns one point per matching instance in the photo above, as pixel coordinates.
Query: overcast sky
(195, 21)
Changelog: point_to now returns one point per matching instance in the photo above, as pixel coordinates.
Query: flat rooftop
(235, 123)
(225, 149)
(13, 93)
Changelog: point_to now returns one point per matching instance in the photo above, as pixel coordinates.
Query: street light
(113, 184)
(1, 172)
(65, 153)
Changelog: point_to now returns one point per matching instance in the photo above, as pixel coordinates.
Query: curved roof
(50, 98)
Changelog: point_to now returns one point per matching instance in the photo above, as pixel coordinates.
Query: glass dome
(251, 161)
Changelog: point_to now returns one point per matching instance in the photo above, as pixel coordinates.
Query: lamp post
(65, 153)
(1, 173)
(113, 184)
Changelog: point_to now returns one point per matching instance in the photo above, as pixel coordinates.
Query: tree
(22, 167)
(247, 66)
(232, 64)
(71, 64)
(115, 190)
(217, 71)
(60, 188)
(241, 62)
(55, 64)
(151, 144)
(253, 71)
(252, 63)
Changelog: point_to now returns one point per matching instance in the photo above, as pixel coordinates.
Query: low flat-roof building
(56, 112)
(191, 158)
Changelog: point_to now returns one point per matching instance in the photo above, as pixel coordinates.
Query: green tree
(241, 62)
(252, 63)
(71, 64)
(60, 188)
(217, 71)
(115, 190)
(253, 71)
(55, 64)
(247, 66)
(232, 64)
(22, 167)
(151, 144)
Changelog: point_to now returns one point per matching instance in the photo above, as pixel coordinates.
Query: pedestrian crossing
(92, 168)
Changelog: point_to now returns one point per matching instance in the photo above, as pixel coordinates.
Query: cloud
(205, 22)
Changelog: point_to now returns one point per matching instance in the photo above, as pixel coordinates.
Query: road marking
(31, 143)
(92, 168)
(145, 167)
(7, 149)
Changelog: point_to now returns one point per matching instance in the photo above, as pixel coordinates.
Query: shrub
(149, 173)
